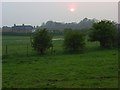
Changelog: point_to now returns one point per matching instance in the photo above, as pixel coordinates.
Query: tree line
(59, 26)
(104, 31)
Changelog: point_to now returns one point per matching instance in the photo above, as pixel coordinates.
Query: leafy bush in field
(105, 32)
(74, 41)
(41, 40)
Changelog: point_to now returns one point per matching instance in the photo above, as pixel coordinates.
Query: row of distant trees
(103, 31)
(59, 26)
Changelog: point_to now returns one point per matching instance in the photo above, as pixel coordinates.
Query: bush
(74, 41)
(41, 40)
(105, 32)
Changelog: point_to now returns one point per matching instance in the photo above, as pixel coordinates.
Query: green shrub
(105, 32)
(74, 41)
(41, 40)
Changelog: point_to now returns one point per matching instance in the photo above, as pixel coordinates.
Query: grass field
(94, 68)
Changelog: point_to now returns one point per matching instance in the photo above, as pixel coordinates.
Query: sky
(35, 13)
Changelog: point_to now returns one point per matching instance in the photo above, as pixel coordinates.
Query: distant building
(22, 28)
(18, 28)
(6, 29)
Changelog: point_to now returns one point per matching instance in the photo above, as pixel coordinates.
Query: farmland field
(23, 68)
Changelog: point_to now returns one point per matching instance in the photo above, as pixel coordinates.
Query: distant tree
(41, 40)
(105, 32)
(74, 41)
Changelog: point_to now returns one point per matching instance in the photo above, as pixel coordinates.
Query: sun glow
(72, 9)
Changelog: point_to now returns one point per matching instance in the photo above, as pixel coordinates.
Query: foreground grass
(94, 68)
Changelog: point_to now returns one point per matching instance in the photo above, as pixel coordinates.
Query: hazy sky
(35, 13)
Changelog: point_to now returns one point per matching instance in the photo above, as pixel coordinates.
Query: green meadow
(23, 68)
